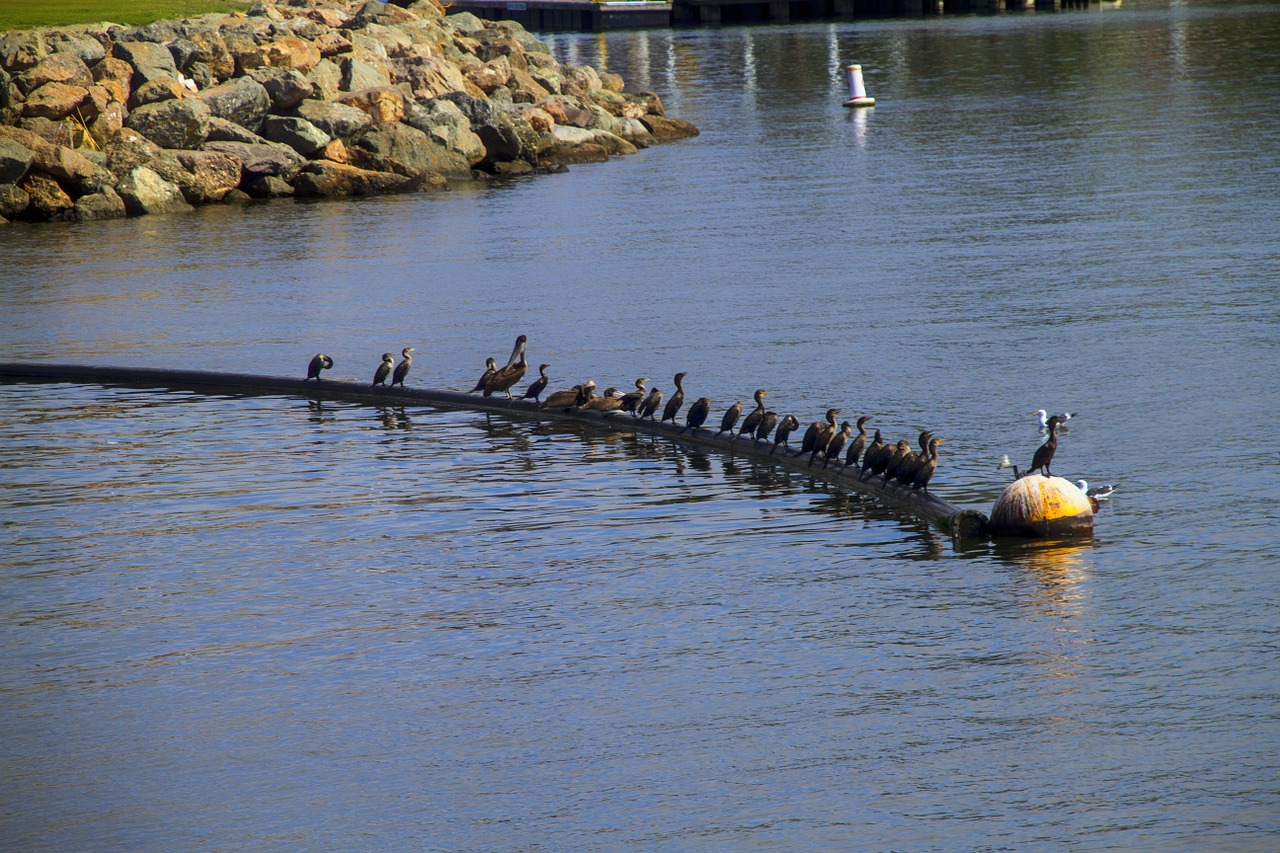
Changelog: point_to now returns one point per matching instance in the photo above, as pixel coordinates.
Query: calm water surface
(253, 623)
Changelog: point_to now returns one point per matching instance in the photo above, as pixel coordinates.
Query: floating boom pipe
(960, 523)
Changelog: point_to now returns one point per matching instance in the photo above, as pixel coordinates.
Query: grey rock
(287, 87)
(184, 52)
(147, 58)
(146, 192)
(14, 161)
(265, 159)
(242, 100)
(465, 23)
(358, 75)
(269, 186)
(338, 120)
(444, 122)
(221, 130)
(326, 77)
(213, 174)
(180, 123)
(83, 45)
(298, 133)
(406, 151)
(21, 50)
(105, 204)
(477, 110)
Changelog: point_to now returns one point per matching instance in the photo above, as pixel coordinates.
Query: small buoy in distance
(857, 89)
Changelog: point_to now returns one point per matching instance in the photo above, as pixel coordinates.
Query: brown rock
(406, 151)
(540, 120)
(489, 76)
(13, 201)
(668, 129)
(64, 68)
(332, 44)
(116, 76)
(335, 151)
(21, 50)
(293, 52)
(567, 155)
(612, 82)
(326, 179)
(181, 123)
(108, 123)
(95, 101)
(333, 18)
(104, 204)
(162, 88)
(430, 77)
(524, 89)
(384, 104)
(48, 201)
(213, 175)
(212, 51)
(54, 101)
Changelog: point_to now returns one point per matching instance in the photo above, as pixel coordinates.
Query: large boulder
(358, 74)
(298, 133)
(211, 49)
(427, 76)
(21, 50)
(116, 76)
(338, 120)
(213, 174)
(444, 122)
(53, 101)
(668, 129)
(105, 204)
(15, 159)
(264, 159)
(13, 201)
(287, 87)
(324, 178)
(147, 58)
(56, 68)
(48, 200)
(384, 104)
(82, 44)
(180, 123)
(145, 192)
(242, 100)
(406, 151)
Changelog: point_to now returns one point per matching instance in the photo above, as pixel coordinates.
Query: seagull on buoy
(1099, 492)
(1044, 418)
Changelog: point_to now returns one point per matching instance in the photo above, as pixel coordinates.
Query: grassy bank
(22, 14)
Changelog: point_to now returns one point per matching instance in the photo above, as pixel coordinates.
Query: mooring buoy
(857, 89)
(1040, 506)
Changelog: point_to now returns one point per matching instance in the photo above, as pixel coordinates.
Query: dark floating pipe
(962, 524)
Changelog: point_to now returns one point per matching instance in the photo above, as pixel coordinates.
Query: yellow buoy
(1036, 505)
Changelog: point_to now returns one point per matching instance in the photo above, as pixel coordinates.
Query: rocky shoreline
(304, 98)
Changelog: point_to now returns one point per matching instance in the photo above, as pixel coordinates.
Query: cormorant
(650, 404)
(1044, 453)
(869, 458)
(731, 416)
(767, 423)
(402, 369)
(511, 373)
(818, 436)
(384, 370)
(318, 363)
(927, 468)
(836, 443)
(893, 459)
(907, 466)
(753, 419)
(632, 400)
(859, 442)
(537, 386)
(672, 408)
(490, 368)
(788, 425)
(697, 414)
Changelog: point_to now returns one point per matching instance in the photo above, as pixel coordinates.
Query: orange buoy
(1037, 506)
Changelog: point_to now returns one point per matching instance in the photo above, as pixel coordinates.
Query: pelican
(318, 363)
(511, 373)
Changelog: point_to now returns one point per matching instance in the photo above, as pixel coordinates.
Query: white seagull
(1100, 492)
(1044, 418)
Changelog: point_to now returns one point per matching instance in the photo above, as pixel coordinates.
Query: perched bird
(837, 442)
(1098, 493)
(924, 473)
(632, 399)
(1044, 453)
(907, 466)
(402, 369)
(1043, 417)
(537, 386)
(819, 434)
(490, 368)
(731, 416)
(788, 425)
(610, 402)
(384, 370)
(753, 419)
(511, 373)
(859, 442)
(767, 423)
(672, 408)
(564, 400)
(697, 414)
(650, 404)
(869, 458)
(318, 363)
(893, 459)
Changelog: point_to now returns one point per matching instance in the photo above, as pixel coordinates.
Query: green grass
(23, 14)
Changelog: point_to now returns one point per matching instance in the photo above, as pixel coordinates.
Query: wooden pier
(591, 16)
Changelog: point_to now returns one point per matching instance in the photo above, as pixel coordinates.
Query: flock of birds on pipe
(893, 462)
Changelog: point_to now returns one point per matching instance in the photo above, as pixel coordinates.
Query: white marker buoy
(857, 90)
